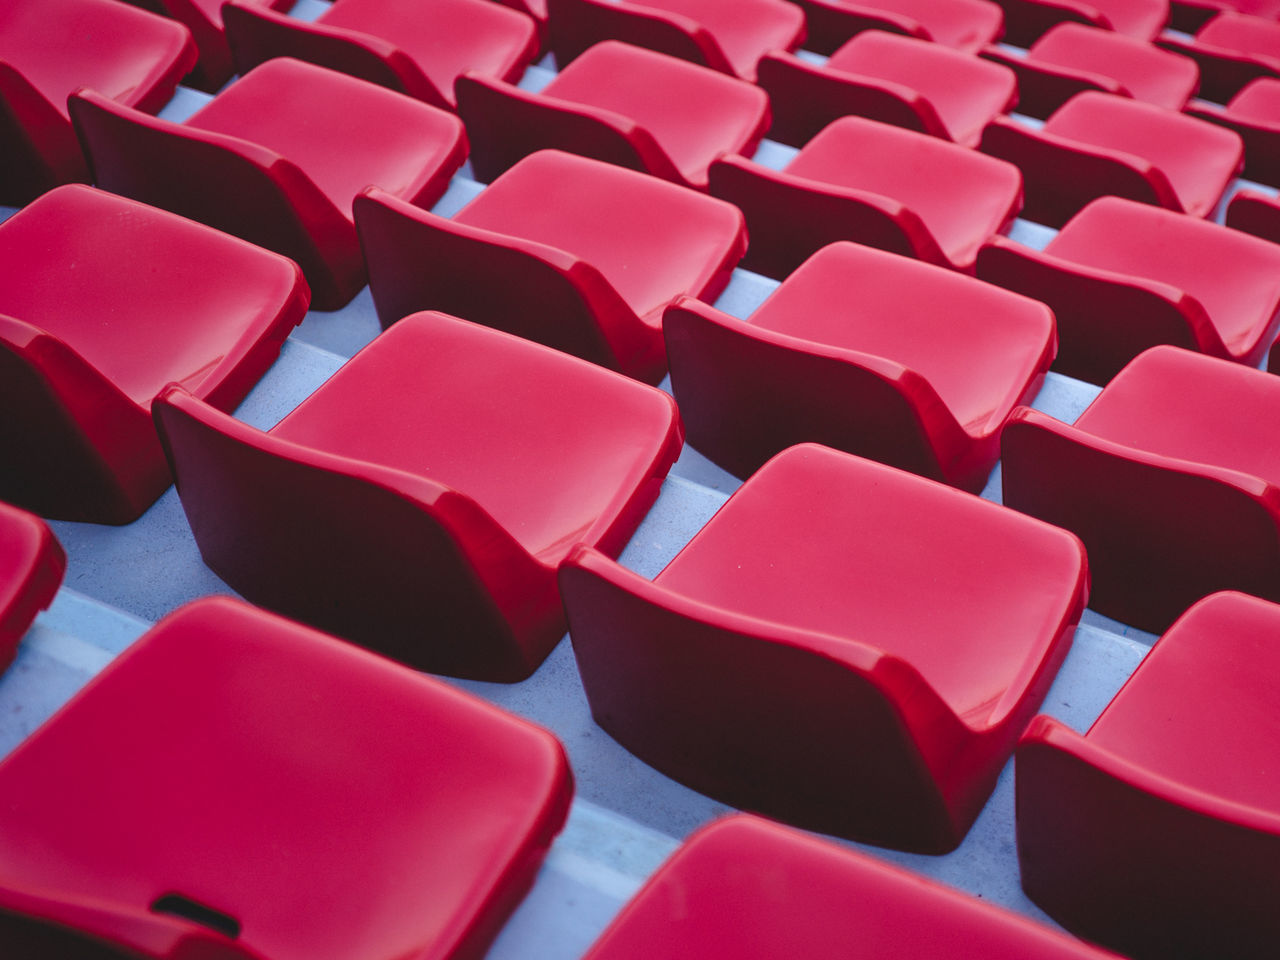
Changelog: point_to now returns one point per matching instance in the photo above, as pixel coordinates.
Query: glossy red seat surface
(590, 255)
(1157, 832)
(905, 81)
(966, 25)
(727, 35)
(32, 563)
(414, 49)
(618, 103)
(115, 301)
(259, 161)
(844, 646)
(419, 502)
(876, 184)
(1232, 50)
(48, 48)
(1025, 21)
(1071, 58)
(865, 351)
(1123, 276)
(749, 889)
(263, 790)
(1098, 144)
(1254, 113)
(1174, 428)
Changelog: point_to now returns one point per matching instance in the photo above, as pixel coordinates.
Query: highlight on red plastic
(1232, 50)
(729, 37)
(749, 889)
(261, 161)
(420, 501)
(589, 255)
(116, 300)
(905, 81)
(966, 25)
(844, 646)
(1025, 21)
(1123, 276)
(621, 104)
(1254, 113)
(261, 790)
(1156, 833)
(32, 564)
(875, 184)
(864, 351)
(49, 48)
(1174, 428)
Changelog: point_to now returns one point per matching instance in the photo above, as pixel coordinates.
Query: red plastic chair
(1122, 277)
(262, 161)
(967, 25)
(48, 48)
(1173, 429)
(1025, 21)
(419, 502)
(865, 351)
(1232, 50)
(589, 255)
(1254, 113)
(876, 184)
(1071, 58)
(729, 37)
(115, 301)
(260, 790)
(1098, 144)
(415, 49)
(1188, 16)
(748, 889)
(910, 83)
(1256, 213)
(32, 564)
(845, 646)
(621, 104)
(1158, 831)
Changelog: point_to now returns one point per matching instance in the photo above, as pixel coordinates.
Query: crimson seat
(419, 502)
(589, 255)
(1174, 428)
(261, 161)
(1071, 58)
(844, 646)
(115, 301)
(726, 36)
(905, 81)
(865, 351)
(876, 184)
(411, 48)
(32, 563)
(966, 25)
(1232, 50)
(753, 890)
(1025, 21)
(263, 790)
(1254, 113)
(1123, 276)
(1098, 144)
(1188, 16)
(1256, 213)
(48, 48)
(618, 103)
(1169, 801)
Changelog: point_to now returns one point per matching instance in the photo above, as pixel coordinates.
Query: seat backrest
(40, 147)
(575, 25)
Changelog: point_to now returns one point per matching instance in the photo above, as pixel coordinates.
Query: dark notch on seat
(180, 906)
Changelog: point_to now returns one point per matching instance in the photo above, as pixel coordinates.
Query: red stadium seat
(1254, 113)
(48, 48)
(844, 646)
(865, 351)
(410, 48)
(259, 161)
(419, 502)
(32, 563)
(876, 184)
(618, 103)
(1158, 831)
(881, 76)
(589, 255)
(117, 300)
(1098, 144)
(239, 786)
(1232, 50)
(1025, 21)
(1168, 479)
(967, 25)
